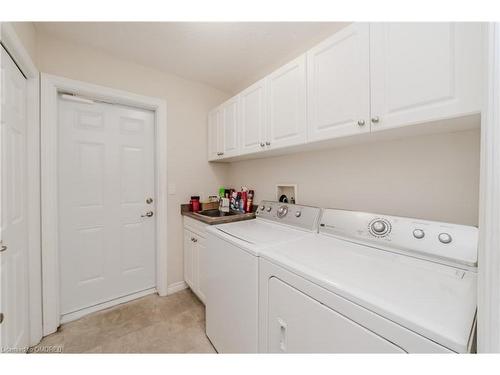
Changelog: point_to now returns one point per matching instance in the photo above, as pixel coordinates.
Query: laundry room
(226, 185)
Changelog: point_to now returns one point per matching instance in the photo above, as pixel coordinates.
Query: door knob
(148, 214)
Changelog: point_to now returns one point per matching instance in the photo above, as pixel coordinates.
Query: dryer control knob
(418, 233)
(444, 238)
(269, 209)
(298, 213)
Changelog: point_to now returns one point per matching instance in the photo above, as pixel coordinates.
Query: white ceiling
(224, 55)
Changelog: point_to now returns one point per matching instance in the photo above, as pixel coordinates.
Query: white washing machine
(370, 283)
(231, 260)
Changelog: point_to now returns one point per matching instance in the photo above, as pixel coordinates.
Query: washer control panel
(305, 217)
(447, 243)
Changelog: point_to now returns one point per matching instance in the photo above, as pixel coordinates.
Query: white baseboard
(80, 313)
(176, 287)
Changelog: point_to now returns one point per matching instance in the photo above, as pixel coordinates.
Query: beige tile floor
(152, 324)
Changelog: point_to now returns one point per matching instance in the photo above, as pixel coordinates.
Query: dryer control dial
(282, 211)
(379, 227)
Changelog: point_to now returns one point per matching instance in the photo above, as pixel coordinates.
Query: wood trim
(50, 86)
(23, 60)
(177, 287)
(488, 329)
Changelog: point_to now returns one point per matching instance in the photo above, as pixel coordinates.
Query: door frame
(50, 87)
(488, 313)
(21, 57)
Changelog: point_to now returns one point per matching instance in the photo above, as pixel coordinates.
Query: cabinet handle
(268, 143)
(194, 239)
(375, 119)
(220, 153)
(283, 328)
(361, 122)
(262, 144)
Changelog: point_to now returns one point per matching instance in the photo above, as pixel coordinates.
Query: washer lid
(258, 232)
(434, 300)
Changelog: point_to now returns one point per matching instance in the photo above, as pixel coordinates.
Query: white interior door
(106, 175)
(14, 221)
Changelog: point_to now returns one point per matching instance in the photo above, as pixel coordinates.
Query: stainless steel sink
(215, 213)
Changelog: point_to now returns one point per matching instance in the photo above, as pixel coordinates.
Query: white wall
(27, 34)
(432, 177)
(187, 106)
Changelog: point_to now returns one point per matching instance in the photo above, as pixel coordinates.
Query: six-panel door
(106, 174)
(424, 71)
(14, 292)
(338, 84)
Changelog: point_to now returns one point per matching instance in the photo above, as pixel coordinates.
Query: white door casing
(253, 118)
(14, 268)
(286, 111)
(421, 72)
(106, 173)
(50, 87)
(338, 84)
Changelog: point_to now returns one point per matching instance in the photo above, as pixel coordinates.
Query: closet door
(424, 71)
(253, 118)
(338, 84)
(286, 98)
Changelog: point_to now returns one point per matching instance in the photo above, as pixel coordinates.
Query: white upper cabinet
(286, 105)
(338, 84)
(230, 144)
(424, 71)
(214, 135)
(253, 118)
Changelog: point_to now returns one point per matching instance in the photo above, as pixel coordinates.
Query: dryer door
(299, 324)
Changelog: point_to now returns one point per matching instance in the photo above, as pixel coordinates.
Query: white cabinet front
(424, 71)
(253, 118)
(286, 90)
(338, 84)
(214, 135)
(299, 324)
(230, 128)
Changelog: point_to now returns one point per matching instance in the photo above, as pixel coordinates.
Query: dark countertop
(215, 220)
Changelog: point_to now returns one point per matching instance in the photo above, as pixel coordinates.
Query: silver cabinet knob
(194, 239)
(375, 119)
(444, 238)
(148, 214)
(3, 248)
(361, 122)
(262, 144)
(149, 200)
(268, 143)
(418, 234)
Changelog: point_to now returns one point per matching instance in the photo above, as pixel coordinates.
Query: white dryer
(370, 283)
(231, 260)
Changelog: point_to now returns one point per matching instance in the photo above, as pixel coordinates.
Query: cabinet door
(200, 263)
(338, 84)
(253, 118)
(286, 98)
(299, 324)
(188, 258)
(230, 128)
(214, 135)
(424, 71)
